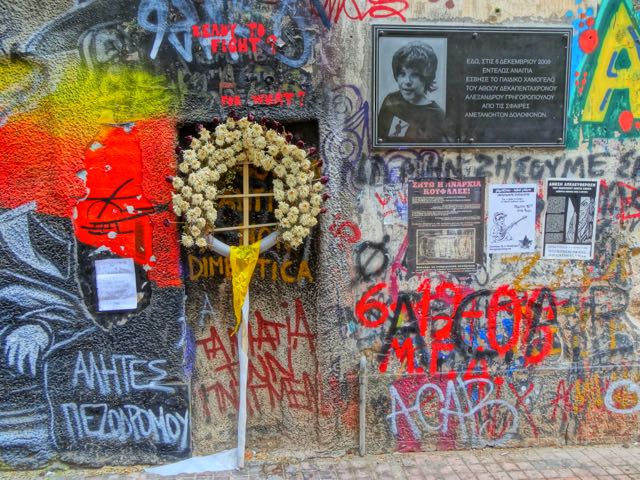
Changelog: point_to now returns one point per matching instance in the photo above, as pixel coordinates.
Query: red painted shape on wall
(588, 40)
(115, 212)
(626, 120)
(124, 208)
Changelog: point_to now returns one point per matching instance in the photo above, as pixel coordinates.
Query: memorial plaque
(470, 86)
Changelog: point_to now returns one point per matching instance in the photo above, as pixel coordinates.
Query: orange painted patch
(35, 165)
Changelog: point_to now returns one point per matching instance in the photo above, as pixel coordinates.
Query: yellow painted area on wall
(617, 39)
(87, 97)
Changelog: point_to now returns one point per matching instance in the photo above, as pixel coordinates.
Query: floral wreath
(208, 170)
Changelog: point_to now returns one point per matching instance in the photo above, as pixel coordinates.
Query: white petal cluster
(215, 153)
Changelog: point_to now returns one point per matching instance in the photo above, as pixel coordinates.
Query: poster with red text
(446, 225)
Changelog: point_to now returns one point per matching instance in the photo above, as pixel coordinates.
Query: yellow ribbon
(243, 262)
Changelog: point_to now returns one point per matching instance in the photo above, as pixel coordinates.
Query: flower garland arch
(211, 160)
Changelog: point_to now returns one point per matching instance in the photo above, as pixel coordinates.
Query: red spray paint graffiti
(274, 377)
(486, 323)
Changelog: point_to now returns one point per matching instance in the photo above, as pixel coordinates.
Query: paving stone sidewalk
(597, 462)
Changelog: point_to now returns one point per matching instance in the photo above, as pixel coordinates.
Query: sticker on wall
(570, 219)
(512, 218)
(446, 225)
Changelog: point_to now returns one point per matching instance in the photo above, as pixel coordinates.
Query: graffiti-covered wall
(96, 98)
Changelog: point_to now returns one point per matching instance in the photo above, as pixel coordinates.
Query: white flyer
(512, 218)
(116, 284)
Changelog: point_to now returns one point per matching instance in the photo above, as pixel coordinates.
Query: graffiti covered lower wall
(95, 97)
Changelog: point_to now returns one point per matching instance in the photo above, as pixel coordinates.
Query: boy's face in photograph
(412, 86)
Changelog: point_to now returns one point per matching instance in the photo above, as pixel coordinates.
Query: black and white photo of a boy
(410, 114)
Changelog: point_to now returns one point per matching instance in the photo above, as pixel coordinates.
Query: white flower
(194, 230)
(280, 170)
(278, 195)
(177, 183)
(292, 216)
(318, 187)
(197, 199)
(184, 167)
(189, 155)
(187, 240)
(287, 162)
(278, 214)
(292, 195)
(207, 205)
(287, 237)
(201, 223)
(201, 242)
(177, 210)
(302, 178)
(284, 207)
(277, 183)
(305, 219)
(260, 143)
(305, 165)
(303, 191)
(291, 181)
(205, 134)
(296, 242)
(304, 207)
(268, 164)
(210, 192)
(199, 185)
(315, 211)
(272, 150)
(285, 223)
(299, 154)
(219, 140)
(186, 192)
(316, 200)
(211, 216)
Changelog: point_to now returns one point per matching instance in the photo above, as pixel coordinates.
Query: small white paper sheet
(116, 284)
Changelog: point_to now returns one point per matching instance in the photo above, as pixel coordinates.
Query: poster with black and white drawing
(570, 219)
(512, 218)
(446, 225)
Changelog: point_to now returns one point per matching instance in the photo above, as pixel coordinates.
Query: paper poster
(570, 219)
(446, 225)
(116, 284)
(512, 218)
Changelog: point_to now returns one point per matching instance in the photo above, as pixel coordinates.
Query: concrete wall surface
(96, 95)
